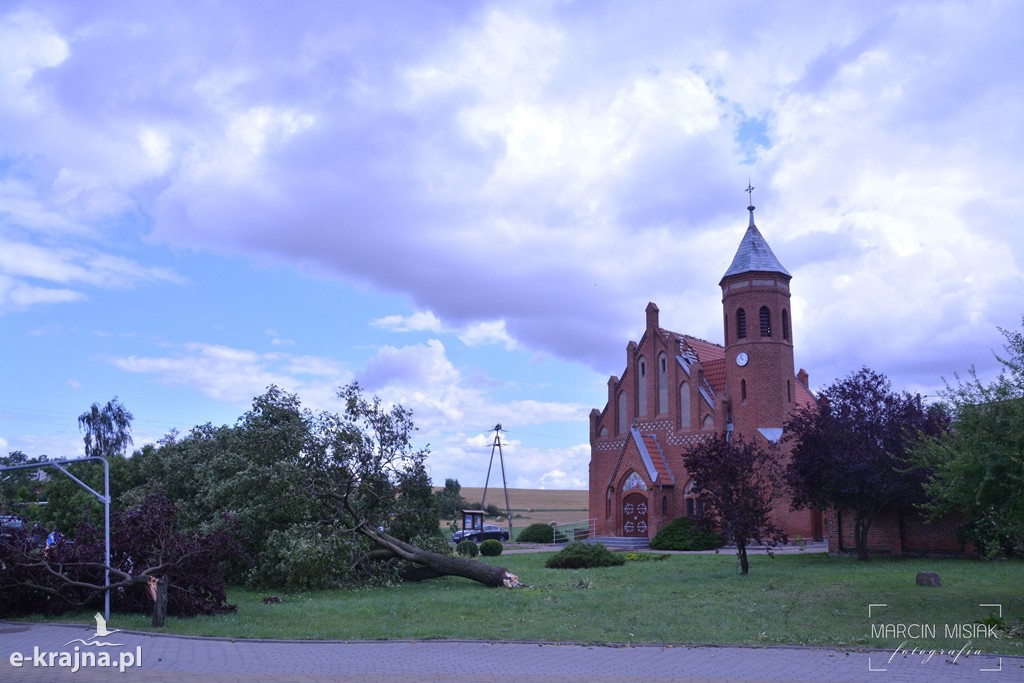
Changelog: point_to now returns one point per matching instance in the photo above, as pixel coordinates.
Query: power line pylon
(501, 458)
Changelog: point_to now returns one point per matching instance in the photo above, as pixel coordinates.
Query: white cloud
(472, 334)
(420, 321)
(27, 44)
(490, 332)
(16, 295)
(277, 340)
(236, 375)
(21, 263)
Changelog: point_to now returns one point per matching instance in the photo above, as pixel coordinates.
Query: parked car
(9, 524)
(478, 536)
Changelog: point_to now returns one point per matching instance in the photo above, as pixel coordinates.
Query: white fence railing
(575, 531)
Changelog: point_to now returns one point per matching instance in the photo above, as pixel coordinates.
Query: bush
(141, 537)
(491, 547)
(536, 533)
(584, 556)
(303, 557)
(683, 533)
(466, 549)
(644, 557)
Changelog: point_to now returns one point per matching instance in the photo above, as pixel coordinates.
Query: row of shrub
(684, 533)
(492, 547)
(687, 533)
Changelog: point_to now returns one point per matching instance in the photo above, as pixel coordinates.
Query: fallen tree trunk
(442, 565)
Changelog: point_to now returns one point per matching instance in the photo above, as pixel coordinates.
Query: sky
(466, 206)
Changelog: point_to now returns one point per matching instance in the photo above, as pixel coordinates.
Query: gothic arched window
(633, 481)
(623, 416)
(785, 325)
(662, 384)
(766, 322)
(694, 505)
(641, 367)
(741, 324)
(685, 416)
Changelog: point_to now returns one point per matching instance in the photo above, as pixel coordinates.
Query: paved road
(162, 658)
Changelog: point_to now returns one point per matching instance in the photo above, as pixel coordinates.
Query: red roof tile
(706, 351)
(658, 458)
(714, 374)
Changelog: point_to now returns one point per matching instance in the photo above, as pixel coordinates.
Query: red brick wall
(771, 363)
(898, 531)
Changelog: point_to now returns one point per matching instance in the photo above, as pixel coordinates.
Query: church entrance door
(634, 515)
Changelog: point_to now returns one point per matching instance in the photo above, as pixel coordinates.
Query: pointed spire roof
(754, 254)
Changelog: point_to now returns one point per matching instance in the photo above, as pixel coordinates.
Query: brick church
(677, 389)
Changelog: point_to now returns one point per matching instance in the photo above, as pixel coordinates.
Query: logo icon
(101, 632)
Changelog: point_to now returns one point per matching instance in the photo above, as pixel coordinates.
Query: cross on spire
(750, 196)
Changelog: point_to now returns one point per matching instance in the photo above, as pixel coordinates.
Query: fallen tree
(365, 463)
(146, 550)
(438, 564)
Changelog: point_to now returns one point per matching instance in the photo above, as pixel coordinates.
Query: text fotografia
(78, 659)
(926, 654)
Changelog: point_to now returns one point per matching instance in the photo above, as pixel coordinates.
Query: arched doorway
(634, 515)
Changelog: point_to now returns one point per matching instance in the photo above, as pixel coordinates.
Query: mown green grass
(690, 599)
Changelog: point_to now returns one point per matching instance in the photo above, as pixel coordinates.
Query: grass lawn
(688, 599)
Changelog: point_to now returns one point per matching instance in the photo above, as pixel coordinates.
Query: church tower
(758, 339)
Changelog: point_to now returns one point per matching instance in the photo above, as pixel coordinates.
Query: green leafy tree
(450, 500)
(18, 487)
(106, 433)
(107, 429)
(977, 469)
(253, 471)
(416, 511)
(360, 462)
(320, 499)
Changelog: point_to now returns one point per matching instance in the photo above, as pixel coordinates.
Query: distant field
(534, 505)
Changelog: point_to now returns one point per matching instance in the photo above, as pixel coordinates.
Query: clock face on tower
(742, 358)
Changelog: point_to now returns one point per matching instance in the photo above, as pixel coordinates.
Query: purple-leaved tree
(738, 481)
(851, 449)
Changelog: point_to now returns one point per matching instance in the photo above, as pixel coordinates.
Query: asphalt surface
(161, 658)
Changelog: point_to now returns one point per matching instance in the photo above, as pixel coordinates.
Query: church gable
(643, 453)
(672, 383)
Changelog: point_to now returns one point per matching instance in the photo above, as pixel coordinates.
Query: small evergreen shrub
(683, 533)
(584, 556)
(491, 547)
(466, 549)
(536, 533)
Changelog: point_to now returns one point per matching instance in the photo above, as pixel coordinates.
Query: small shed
(472, 520)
